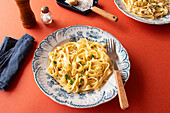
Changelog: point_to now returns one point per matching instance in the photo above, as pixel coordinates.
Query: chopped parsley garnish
(71, 82)
(80, 83)
(96, 50)
(84, 64)
(74, 78)
(94, 45)
(81, 75)
(67, 77)
(155, 7)
(79, 62)
(78, 66)
(92, 55)
(69, 64)
(162, 10)
(54, 62)
(55, 54)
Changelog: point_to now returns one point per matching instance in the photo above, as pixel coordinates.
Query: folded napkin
(12, 55)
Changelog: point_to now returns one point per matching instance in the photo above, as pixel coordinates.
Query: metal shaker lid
(45, 9)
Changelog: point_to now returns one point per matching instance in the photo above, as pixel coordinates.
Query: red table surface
(148, 46)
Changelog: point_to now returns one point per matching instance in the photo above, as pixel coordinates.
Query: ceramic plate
(121, 7)
(52, 89)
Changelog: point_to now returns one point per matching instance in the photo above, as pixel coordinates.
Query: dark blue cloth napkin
(12, 55)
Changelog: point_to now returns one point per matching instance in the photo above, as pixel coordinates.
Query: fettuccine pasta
(80, 66)
(152, 9)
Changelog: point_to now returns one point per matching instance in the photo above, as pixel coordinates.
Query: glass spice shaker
(46, 15)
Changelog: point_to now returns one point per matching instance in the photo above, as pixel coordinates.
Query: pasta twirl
(81, 66)
(152, 9)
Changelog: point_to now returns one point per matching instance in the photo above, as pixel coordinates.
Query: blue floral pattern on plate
(52, 89)
(121, 7)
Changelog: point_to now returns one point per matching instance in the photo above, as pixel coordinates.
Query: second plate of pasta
(147, 11)
(75, 93)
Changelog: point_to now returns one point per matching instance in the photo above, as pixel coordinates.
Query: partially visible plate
(57, 93)
(121, 7)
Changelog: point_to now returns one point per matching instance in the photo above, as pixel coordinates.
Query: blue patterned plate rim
(62, 96)
(161, 21)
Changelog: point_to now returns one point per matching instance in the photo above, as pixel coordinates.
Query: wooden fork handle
(121, 91)
(104, 14)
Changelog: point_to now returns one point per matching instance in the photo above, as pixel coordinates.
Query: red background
(148, 46)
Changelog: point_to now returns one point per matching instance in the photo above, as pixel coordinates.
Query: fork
(111, 51)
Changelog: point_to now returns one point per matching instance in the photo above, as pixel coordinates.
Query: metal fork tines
(111, 51)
